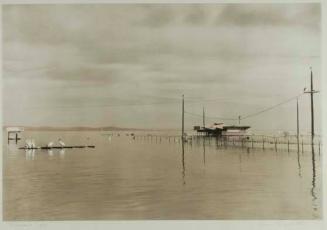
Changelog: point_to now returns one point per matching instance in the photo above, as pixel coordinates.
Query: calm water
(124, 178)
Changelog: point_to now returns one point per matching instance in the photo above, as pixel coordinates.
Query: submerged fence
(286, 143)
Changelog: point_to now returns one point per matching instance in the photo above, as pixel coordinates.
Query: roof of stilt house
(243, 127)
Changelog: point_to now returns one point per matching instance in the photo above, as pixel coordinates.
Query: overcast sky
(128, 65)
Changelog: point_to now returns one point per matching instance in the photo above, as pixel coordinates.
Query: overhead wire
(209, 117)
(270, 108)
(251, 114)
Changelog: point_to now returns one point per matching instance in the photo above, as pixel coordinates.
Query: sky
(129, 65)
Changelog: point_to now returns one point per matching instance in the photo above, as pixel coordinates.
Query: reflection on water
(127, 177)
(240, 158)
(30, 154)
(299, 163)
(204, 152)
(50, 152)
(183, 162)
(62, 153)
(313, 193)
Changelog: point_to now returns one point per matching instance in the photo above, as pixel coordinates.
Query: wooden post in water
(275, 144)
(288, 144)
(302, 144)
(252, 141)
(263, 142)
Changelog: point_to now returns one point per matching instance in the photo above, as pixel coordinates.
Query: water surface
(123, 178)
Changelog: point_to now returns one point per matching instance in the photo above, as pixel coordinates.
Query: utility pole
(183, 118)
(297, 118)
(312, 91)
(312, 111)
(204, 122)
(297, 125)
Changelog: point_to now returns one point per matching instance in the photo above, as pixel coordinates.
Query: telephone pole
(312, 111)
(312, 91)
(297, 118)
(183, 118)
(297, 125)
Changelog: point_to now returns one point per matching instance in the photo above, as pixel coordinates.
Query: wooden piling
(263, 143)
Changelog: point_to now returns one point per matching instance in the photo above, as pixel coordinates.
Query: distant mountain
(80, 128)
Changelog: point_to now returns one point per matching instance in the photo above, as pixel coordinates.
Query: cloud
(158, 15)
(112, 54)
(306, 15)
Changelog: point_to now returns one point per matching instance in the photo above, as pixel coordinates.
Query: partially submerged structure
(13, 133)
(221, 130)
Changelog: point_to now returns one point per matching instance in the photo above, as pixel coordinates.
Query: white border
(190, 224)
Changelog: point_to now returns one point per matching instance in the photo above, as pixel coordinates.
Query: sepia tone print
(161, 111)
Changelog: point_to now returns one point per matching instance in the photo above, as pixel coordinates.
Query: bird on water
(28, 143)
(50, 144)
(61, 143)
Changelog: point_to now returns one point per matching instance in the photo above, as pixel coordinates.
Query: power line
(270, 108)
(198, 115)
(249, 115)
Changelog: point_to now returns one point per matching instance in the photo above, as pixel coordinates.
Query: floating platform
(60, 147)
